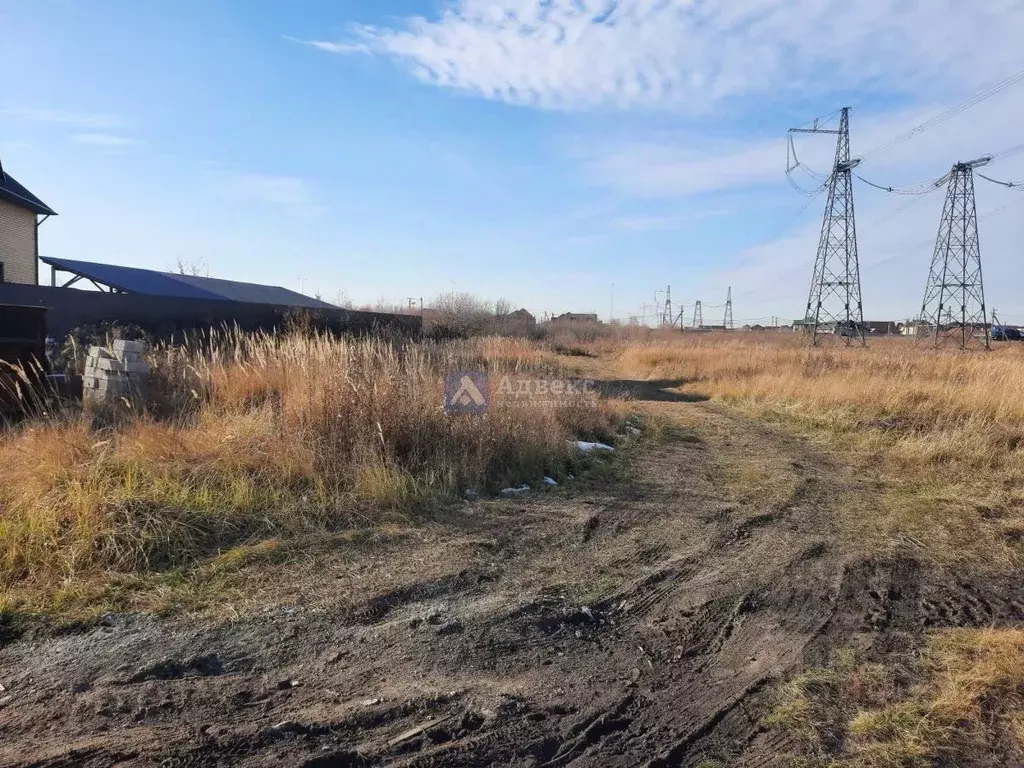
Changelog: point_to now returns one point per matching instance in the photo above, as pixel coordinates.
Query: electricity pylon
(667, 317)
(728, 311)
(834, 303)
(953, 309)
(698, 316)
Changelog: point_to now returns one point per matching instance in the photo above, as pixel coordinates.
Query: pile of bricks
(116, 375)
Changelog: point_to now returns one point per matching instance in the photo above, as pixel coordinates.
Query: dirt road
(639, 622)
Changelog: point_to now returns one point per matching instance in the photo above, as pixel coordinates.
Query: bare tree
(194, 268)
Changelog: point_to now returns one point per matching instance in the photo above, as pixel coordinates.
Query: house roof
(13, 192)
(153, 283)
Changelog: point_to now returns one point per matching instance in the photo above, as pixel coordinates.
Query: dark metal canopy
(168, 284)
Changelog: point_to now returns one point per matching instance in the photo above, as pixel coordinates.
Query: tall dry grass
(256, 436)
(943, 430)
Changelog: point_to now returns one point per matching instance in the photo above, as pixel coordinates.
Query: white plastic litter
(550, 481)
(514, 491)
(587, 447)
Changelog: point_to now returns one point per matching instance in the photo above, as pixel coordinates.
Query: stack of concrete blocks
(116, 376)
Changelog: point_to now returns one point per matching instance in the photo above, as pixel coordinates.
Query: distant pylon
(728, 311)
(834, 303)
(698, 316)
(953, 309)
(666, 314)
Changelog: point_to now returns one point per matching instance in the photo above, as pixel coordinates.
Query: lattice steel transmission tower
(698, 316)
(728, 311)
(667, 318)
(834, 305)
(953, 310)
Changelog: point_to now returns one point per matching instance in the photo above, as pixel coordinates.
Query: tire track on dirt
(648, 633)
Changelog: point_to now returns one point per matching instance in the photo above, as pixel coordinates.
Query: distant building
(522, 317)
(883, 327)
(20, 213)
(575, 317)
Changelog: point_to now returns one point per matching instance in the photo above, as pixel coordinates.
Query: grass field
(940, 437)
(256, 443)
(255, 438)
(941, 432)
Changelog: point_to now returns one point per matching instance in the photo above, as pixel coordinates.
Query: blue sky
(538, 151)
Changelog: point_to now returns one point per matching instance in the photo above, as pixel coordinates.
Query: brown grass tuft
(967, 709)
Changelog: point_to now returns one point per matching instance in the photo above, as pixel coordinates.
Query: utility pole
(698, 316)
(728, 311)
(834, 304)
(954, 298)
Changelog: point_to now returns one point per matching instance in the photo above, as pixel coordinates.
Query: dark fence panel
(165, 317)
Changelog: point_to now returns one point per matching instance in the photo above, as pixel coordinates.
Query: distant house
(20, 213)
(883, 327)
(575, 317)
(522, 317)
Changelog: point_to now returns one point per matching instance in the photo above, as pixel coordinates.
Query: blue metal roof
(13, 192)
(153, 283)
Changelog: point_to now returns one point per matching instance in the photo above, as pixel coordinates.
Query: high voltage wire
(912, 248)
(1009, 184)
(920, 188)
(988, 93)
(927, 187)
(1000, 209)
(1008, 152)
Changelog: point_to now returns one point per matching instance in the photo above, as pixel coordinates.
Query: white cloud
(693, 164)
(331, 47)
(62, 117)
(575, 54)
(104, 140)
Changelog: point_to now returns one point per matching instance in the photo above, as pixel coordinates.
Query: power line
(1009, 184)
(987, 93)
(920, 188)
(1008, 152)
(911, 249)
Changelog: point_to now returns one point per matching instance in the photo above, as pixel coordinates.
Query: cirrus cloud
(578, 54)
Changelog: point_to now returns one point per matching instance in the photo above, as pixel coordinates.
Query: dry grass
(257, 437)
(934, 441)
(940, 432)
(967, 709)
